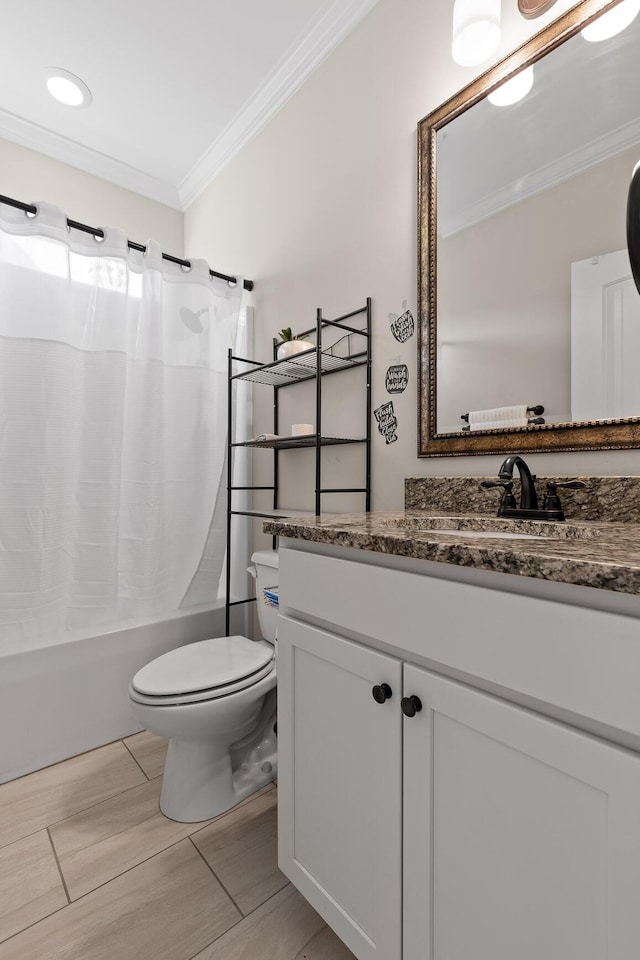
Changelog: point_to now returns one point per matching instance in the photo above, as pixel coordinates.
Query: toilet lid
(213, 693)
(205, 665)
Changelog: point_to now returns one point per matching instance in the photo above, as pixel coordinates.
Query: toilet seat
(205, 670)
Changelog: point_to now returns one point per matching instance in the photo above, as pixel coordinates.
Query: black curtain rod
(97, 232)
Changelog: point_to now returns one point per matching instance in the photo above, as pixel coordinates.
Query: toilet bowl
(215, 702)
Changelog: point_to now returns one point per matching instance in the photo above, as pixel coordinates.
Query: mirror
(526, 295)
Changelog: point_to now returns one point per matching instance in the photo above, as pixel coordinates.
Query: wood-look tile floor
(91, 870)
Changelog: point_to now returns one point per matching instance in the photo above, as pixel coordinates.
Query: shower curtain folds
(112, 426)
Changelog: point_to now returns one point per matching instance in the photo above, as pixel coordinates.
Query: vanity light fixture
(67, 88)
(476, 31)
(512, 90)
(613, 21)
(530, 9)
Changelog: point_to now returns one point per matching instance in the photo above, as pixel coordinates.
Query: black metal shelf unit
(314, 364)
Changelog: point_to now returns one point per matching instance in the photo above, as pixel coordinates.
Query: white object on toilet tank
(265, 570)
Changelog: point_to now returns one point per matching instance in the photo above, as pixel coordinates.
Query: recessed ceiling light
(67, 88)
(612, 22)
(512, 90)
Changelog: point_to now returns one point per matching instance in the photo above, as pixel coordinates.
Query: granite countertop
(593, 553)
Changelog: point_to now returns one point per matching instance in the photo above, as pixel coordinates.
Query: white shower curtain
(112, 426)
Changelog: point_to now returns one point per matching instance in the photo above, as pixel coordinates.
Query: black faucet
(528, 509)
(528, 495)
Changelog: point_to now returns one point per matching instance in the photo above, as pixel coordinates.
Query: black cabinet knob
(410, 706)
(381, 692)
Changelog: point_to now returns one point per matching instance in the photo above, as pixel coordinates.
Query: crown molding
(565, 167)
(35, 137)
(293, 69)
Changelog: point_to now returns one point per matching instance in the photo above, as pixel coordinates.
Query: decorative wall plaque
(387, 421)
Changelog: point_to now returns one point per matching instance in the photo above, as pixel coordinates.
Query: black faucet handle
(552, 500)
(554, 485)
(506, 484)
(507, 499)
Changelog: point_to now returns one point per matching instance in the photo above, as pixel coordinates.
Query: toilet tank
(265, 563)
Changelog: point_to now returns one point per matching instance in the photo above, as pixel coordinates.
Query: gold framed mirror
(521, 217)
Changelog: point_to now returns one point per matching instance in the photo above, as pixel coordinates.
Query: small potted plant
(291, 345)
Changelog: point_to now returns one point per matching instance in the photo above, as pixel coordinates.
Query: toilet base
(202, 797)
(204, 778)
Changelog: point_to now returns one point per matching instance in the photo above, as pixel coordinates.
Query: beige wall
(30, 176)
(320, 210)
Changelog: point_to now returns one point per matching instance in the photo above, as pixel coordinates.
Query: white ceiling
(177, 87)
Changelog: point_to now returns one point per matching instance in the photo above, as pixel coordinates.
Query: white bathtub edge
(64, 699)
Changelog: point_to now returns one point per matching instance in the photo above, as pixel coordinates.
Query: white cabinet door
(522, 836)
(340, 770)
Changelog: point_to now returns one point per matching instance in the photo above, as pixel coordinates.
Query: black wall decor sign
(403, 327)
(387, 421)
(397, 378)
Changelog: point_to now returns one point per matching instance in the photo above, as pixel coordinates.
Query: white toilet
(215, 702)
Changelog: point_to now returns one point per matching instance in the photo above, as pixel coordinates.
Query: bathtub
(70, 695)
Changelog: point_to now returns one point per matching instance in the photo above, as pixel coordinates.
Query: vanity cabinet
(475, 828)
(340, 785)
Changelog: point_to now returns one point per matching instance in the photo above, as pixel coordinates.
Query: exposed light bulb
(66, 88)
(476, 31)
(512, 90)
(613, 21)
